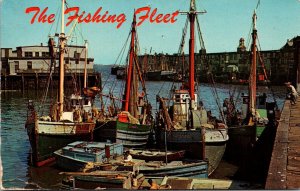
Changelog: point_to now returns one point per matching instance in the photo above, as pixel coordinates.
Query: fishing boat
(161, 75)
(154, 75)
(156, 155)
(131, 124)
(70, 118)
(115, 69)
(190, 183)
(103, 180)
(185, 124)
(121, 74)
(246, 127)
(82, 155)
(182, 168)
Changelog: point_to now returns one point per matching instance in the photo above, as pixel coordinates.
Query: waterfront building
(28, 67)
(36, 59)
(280, 65)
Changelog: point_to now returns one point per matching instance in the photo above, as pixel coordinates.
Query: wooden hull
(164, 75)
(191, 141)
(186, 183)
(130, 135)
(156, 155)
(105, 131)
(114, 70)
(169, 76)
(176, 168)
(154, 75)
(242, 140)
(101, 179)
(76, 158)
(46, 137)
(93, 182)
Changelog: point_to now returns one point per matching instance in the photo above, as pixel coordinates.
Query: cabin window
(17, 65)
(177, 98)
(28, 54)
(245, 100)
(29, 65)
(37, 54)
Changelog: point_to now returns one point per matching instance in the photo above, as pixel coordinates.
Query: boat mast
(252, 82)
(192, 16)
(62, 40)
(130, 66)
(85, 65)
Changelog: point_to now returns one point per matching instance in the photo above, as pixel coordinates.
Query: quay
(36, 81)
(284, 168)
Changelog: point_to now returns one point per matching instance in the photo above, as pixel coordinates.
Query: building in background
(29, 66)
(233, 67)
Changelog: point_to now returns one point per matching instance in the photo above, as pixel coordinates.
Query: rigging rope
(209, 75)
(265, 74)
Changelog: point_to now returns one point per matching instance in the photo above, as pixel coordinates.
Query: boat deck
(284, 169)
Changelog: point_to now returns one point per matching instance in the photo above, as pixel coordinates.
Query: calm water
(15, 146)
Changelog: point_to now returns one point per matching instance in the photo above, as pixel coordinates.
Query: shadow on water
(253, 166)
(44, 177)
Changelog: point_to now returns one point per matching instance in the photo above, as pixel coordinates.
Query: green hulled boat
(132, 125)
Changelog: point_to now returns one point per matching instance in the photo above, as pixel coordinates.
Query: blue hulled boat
(80, 155)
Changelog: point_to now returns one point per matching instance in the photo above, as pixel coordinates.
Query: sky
(225, 22)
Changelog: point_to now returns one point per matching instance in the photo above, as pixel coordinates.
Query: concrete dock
(284, 168)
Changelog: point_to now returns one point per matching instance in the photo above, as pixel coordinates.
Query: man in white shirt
(292, 91)
(127, 157)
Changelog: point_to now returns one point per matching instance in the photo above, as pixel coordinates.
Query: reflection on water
(15, 146)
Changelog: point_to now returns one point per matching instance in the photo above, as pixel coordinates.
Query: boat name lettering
(143, 14)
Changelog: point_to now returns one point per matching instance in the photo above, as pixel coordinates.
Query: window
(177, 98)
(37, 54)
(29, 65)
(17, 67)
(45, 54)
(76, 55)
(28, 54)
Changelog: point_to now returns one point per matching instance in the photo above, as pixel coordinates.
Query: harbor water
(15, 147)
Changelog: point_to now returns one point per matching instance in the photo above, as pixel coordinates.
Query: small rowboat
(82, 155)
(156, 155)
(186, 168)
